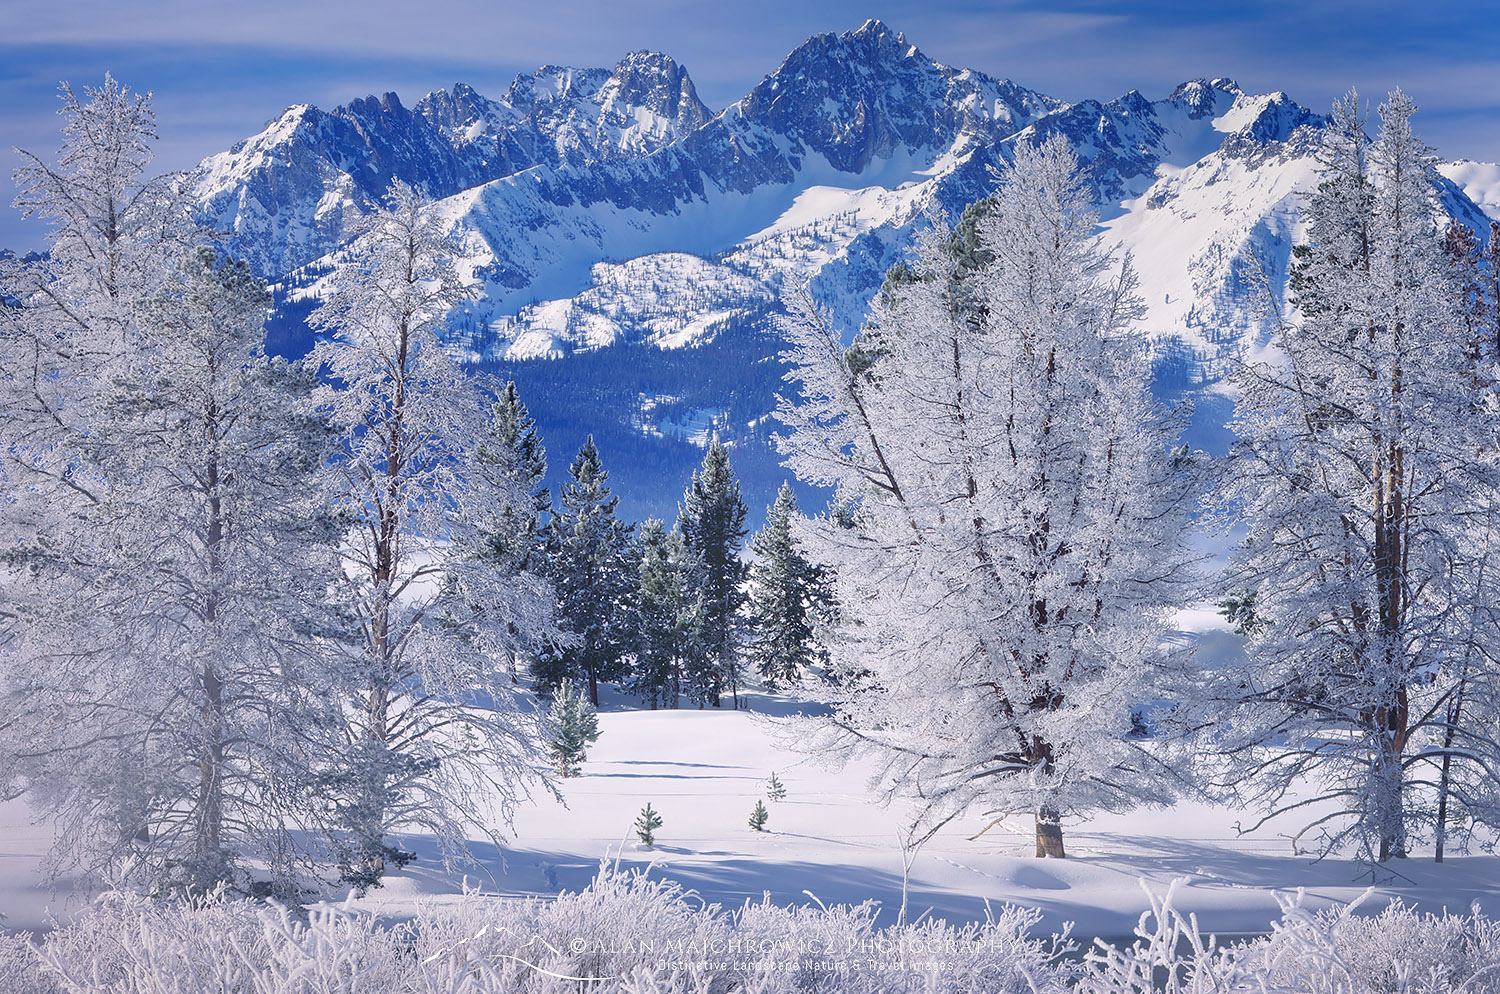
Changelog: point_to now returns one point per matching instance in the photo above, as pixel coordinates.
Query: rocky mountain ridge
(608, 213)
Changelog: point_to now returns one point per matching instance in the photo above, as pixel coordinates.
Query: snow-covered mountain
(608, 213)
(286, 193)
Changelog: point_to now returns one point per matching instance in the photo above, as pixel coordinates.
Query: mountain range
(633, 246)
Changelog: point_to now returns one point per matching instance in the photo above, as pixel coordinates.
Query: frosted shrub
(1402, 950)
(1334, 952)
(628, 920)
(130, 945)
(841, 950)
(630, 934)
(1170, 956)
(20, 967)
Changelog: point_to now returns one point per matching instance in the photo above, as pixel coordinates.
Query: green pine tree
(516, 448)
(788, 596)
(759, 816)
(712, 519)
(575, 726)
(589, 561)
(775, 789)
(512, 539)
(668, 614)
(646, 824)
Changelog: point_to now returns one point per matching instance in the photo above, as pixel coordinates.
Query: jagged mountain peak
(865, 94)
(552, 85)
(387, 103)
(605, 205)
(463, 112)
(873, 47)
(658, 84)
(1205, 97)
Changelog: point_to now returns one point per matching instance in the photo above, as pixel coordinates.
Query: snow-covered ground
(704, 770)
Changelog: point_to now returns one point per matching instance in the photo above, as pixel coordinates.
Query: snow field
(828, 842)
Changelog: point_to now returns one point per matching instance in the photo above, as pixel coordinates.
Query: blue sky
(220, 71)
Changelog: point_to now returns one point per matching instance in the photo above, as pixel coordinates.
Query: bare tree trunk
(1049, 836)
(1444, 781)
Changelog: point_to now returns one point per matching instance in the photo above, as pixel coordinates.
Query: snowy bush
(1336, 952)
(20, 967)
(630, 934)
(1404, 950)
(131, 945)
(841, 950)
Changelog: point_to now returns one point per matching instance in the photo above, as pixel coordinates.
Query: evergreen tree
(575, 727)
(788, 596)
(646, 824)
(775, 789)
(1474, 275)
(667, 619)
(517, 451)
(711, 517)
(759, 816)
(513, 539)
(589, 561)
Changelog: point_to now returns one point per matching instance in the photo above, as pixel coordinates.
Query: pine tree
(667, 615)
(759, 816)
(646, 824)
(711, 517)
(575, 727)
(589, 562)
(788, 596)
(775, 790)
(1010, 545)
(1370, 512)
(513, 541)
(418, 480)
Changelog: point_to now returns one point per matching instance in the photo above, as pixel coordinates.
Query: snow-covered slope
(1479, 181)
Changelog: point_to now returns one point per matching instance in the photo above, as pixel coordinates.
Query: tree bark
(1049, 836)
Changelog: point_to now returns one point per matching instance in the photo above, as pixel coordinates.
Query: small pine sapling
(759, 816)
(575, 726)
(646, 824)
(775, 790)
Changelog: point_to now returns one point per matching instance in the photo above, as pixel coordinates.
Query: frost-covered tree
(588, 552)
(165, 552)
(69, 317)
(667, 618)
(1474, 274)
(1013, 540)
(711, 518)
(1365, 472)
(788, 598)
(434, 735)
